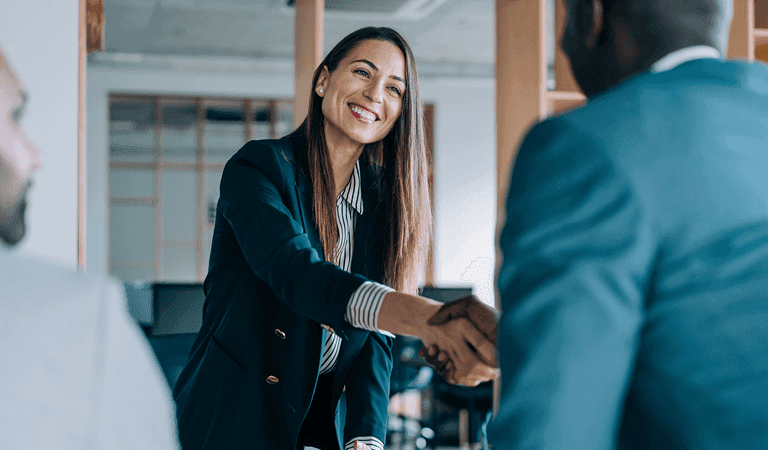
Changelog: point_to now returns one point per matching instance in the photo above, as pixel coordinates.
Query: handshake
(460, 342)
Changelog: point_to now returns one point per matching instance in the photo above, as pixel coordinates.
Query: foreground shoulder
(50, 293)
(41, 275)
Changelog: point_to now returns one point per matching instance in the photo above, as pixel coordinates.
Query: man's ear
(322, 82)
(591, 21)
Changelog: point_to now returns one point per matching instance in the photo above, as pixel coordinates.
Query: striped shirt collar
(352, 193)
(684, 55)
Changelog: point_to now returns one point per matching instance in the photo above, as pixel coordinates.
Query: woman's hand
(361, 446)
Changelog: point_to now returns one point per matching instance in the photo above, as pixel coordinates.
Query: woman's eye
(395, 89)
(361, 72)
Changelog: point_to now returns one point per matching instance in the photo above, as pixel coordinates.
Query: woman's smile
(363, 114)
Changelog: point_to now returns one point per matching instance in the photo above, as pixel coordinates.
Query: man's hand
(469, 349)
(481, 315)
(462, 354)
(485, 319)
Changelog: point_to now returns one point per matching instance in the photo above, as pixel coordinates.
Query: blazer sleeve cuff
(371, 441)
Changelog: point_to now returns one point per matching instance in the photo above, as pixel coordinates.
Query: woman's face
(363, 97)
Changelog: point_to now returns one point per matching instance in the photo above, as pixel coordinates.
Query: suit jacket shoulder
(274, 157)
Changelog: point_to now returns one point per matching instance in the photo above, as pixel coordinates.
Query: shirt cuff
(371, 441)
(364, 305)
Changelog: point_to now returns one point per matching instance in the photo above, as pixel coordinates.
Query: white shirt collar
(353, 192)
(684, 55)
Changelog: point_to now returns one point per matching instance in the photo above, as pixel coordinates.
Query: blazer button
(279, 333)
(272, 379)
(328, 329)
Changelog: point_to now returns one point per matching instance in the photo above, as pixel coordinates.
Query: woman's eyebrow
(373, 66)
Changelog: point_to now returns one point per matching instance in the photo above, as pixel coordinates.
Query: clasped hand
(460, 341)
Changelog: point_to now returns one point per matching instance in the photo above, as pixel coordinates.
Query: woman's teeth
(365, 114)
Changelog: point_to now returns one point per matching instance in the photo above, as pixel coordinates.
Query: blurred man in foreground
(75, 373)
(634, 281)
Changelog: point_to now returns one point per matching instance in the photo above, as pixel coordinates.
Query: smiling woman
(362, 105)
(312, 232)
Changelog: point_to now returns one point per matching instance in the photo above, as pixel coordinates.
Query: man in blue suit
(634, 281)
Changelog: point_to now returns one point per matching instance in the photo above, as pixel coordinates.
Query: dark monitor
(178, 308)
(445, 294)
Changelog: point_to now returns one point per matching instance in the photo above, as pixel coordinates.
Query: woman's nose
(375, 91)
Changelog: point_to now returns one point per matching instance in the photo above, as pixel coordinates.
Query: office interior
(134, 157)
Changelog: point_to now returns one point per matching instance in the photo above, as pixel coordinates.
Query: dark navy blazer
(634, 283)
(268, 291)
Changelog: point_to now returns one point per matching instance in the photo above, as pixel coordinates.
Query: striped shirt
(365, 303)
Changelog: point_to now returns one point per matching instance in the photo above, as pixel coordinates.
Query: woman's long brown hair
(407, 219)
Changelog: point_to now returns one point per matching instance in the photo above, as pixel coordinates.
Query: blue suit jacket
(634, 283)
(266, 274)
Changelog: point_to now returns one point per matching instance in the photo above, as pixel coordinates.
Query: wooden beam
(520, 81)
(308, 45)
(95, 25)
(521, 76)
(741, 41)
(429, 132)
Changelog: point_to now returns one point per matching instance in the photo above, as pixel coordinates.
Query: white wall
(465, 161)
(465, 182)
(40, 39)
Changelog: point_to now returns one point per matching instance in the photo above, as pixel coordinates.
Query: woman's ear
(322, 82)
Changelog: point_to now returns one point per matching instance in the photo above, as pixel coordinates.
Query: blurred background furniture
(170, 315)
